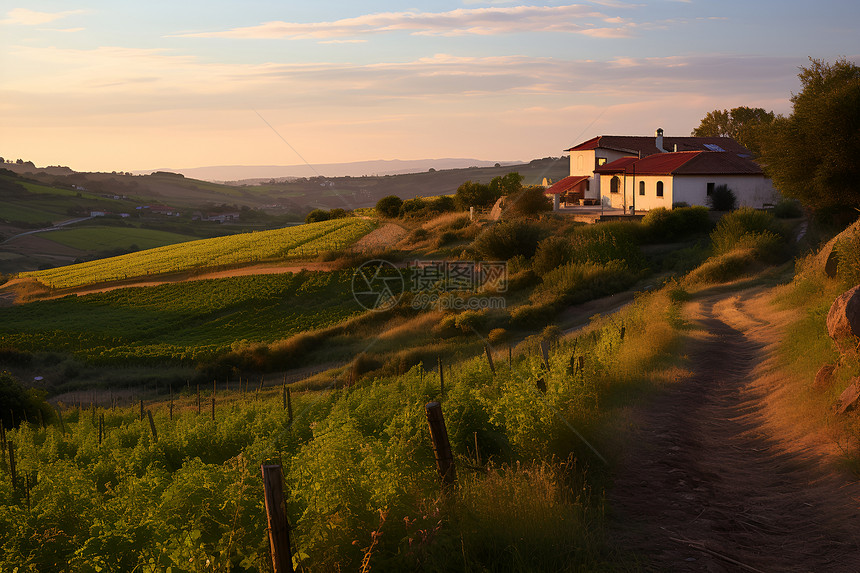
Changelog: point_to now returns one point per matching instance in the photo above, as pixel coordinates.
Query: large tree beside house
(814, 154)
(743, 124)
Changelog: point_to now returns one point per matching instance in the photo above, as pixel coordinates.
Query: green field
(104, 238)
(240, 249)
(187, 321)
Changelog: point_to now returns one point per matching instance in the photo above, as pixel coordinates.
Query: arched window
(613, 185)
(659, 189)
(641, 187)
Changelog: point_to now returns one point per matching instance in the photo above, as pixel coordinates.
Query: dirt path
(720, 478)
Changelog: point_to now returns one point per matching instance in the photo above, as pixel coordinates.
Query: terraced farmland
(246, 248)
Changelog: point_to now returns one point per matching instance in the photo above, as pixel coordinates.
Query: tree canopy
(814, 154)
(743, 124)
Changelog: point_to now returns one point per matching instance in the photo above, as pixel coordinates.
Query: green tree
(814, 154)
(529, 202)
(317, 215)
(389, 206)
(507, 185)
(743, 124)
(474, 194)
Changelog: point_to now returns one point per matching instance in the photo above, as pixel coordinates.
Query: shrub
(551, 253)
(442, 204)
(605, 242)
(389, 206)
(722, 199)
(507, 239)
(470, 320)
(527, 203)
(317, 215)
(446, 238)
(22, 403)
(663, 225)
(848, 257)
(474, 194)
(732, 228)
(418, 234)
(497, 336)
(415, 207)
(788, 209)
(578, 282)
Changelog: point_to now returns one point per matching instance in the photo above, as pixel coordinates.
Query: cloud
(25, 17)
(487, 21)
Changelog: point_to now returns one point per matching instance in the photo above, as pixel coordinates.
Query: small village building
(643, 173)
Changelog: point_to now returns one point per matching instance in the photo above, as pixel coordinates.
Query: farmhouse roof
(684, 163)
(647, 145)
(564, 185)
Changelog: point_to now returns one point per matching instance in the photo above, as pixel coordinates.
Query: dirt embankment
(718, 476)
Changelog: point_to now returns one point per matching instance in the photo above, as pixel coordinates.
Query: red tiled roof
(684, 163)
(565, 185)
(617, 166)
(646, 145)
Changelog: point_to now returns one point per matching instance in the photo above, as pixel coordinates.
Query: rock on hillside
(825, 260)
(844, 316)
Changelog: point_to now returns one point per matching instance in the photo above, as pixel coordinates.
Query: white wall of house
(751, 190)
(585, 162)
(630, 185)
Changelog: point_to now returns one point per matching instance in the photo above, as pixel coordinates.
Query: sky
(115, 85)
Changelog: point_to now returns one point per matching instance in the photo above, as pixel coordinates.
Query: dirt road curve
(720, 479)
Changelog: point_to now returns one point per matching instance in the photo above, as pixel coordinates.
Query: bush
(551, 253)
(848, 257)
(317, 215)
(733, 228)
(442, 204)
(663, 225)
(22, 403)
(418, 234)
(527, 203)
(507, 239)
(389, 206)
(415, 207)
(722, 199)
(578, 282)
(788, 209)
(474, 194)
(605, 242)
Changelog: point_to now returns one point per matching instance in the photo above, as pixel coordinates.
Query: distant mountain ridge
(233, 173)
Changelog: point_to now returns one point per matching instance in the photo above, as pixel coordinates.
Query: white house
(646, 172)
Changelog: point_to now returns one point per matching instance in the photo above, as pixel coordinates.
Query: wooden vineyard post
(441, 377)
(214, 388)
(490, 358)
(477, 451)
(544, 350)
(3, 439)
(141, 409)
(198, 399)
(289, 406)
(441, 445)
(276, 516)
(284, 393)
(510, 358)
(152, 426)
(12, 469)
